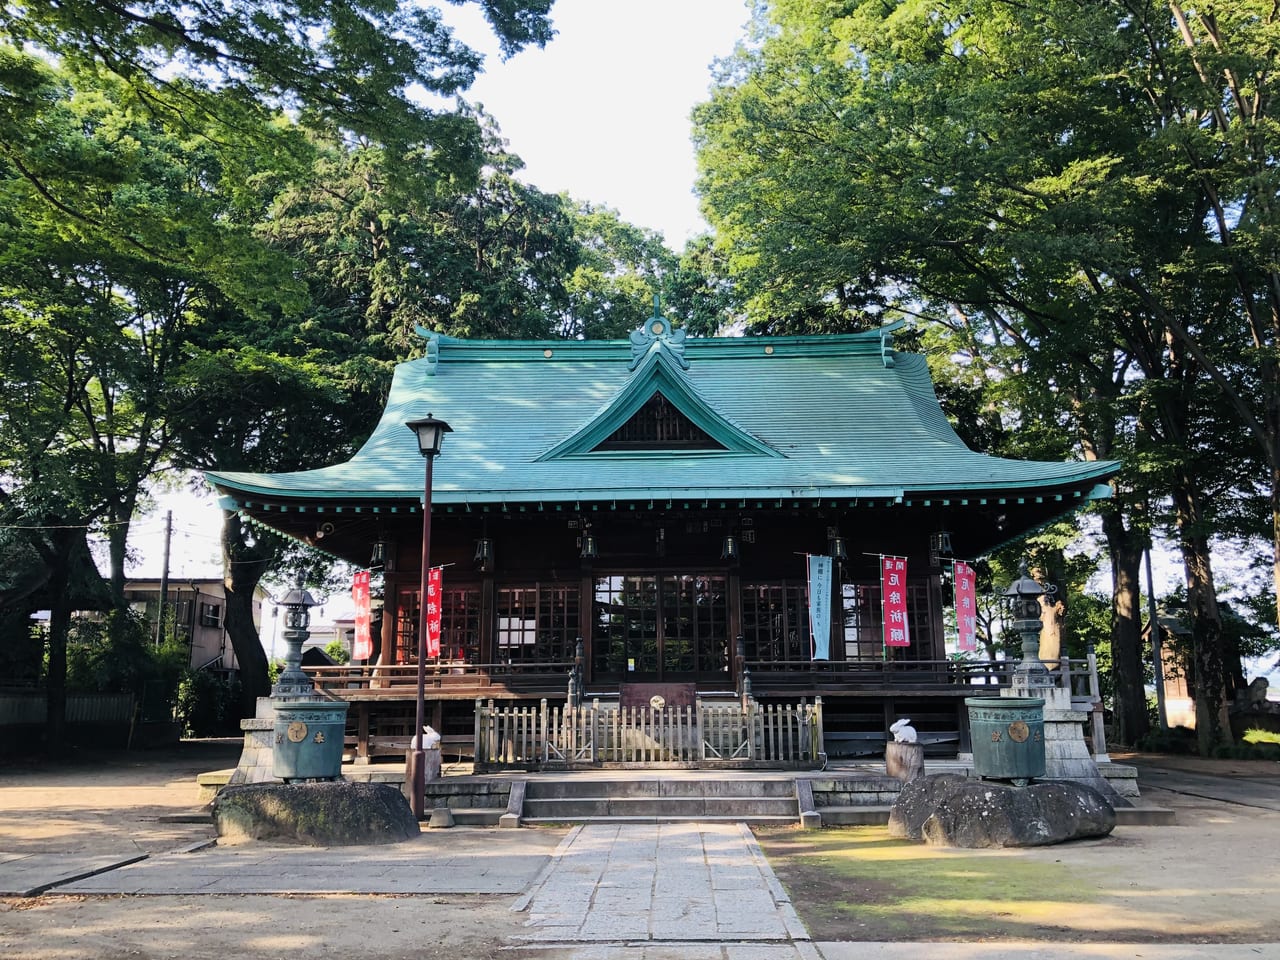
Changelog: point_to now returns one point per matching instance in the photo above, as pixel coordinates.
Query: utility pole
(164, 575)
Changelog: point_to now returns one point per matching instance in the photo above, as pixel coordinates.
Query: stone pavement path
(660, 882)
(30, 874)
(496, 862)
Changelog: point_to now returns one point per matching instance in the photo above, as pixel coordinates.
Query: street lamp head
(430, 433)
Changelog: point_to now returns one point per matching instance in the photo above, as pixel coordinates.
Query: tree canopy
(1088, 184)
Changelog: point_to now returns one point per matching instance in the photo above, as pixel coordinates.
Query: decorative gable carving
(659, 425)
(659, 412)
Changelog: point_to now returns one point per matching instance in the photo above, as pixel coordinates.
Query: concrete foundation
(257, 757)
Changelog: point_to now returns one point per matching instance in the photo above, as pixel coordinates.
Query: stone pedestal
(904, 761)
(441, 817)
(257, 757)
(433, 764)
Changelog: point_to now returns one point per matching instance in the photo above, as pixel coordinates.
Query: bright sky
(601, 113)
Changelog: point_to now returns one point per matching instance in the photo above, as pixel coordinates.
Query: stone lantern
(293, 684)
(1022, 603)
(309, 731)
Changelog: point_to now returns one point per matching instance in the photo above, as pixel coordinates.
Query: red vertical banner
(362, 646)
(893, 591)
(966, 607)
(434, 593)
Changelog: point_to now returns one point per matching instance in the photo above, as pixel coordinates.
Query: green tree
(343, 64)
(129, 181)
(1082, 173)
(120, 236)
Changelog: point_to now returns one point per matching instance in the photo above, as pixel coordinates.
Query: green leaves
(342, 64)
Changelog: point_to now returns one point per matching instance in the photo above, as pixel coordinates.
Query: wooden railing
(880, 673)
(399, 680)
(556, 737)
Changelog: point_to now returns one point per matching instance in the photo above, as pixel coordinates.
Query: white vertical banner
(820, 606)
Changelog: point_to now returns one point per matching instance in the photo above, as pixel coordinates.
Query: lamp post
(430, 432)
(1022, 600)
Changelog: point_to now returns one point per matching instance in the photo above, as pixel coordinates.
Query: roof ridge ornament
(657, 336)
(886, 343)
(432, 355)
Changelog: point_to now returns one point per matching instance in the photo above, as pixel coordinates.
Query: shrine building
(658, 499)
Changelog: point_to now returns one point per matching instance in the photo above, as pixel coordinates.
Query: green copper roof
(813, 417)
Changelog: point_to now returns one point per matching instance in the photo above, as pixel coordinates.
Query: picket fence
(774, 735)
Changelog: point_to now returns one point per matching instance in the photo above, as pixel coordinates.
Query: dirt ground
(111, 804)
(1211, 878)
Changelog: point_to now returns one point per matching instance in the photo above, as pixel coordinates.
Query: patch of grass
(859, 883)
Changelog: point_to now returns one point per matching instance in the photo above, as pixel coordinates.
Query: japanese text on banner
(820, 606)
(362, 646)
(966, 607)
(434, 593)
(893, 590)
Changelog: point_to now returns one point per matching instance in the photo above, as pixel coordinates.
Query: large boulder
(949, 810)
(327, 814)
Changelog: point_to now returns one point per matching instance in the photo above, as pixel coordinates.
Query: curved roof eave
(244, 490)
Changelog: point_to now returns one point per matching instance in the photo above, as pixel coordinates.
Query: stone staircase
(649, 800)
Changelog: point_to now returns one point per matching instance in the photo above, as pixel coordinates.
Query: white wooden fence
(760, 735)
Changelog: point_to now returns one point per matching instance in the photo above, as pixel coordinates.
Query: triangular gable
(657, 374)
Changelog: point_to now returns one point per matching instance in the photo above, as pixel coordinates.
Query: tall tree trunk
(59, 557)
(1209, 686)
(1129, 707)
(243, 568)
(117, 549)
(1273, 431)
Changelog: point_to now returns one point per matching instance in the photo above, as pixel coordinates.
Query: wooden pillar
(587, 619)
(937, 620)
(390, 613)
(836, 637)
(733, 587)
(488, 621)
(362, 732)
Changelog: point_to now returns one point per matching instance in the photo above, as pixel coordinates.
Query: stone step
(477, 816)
(861, 815)
(682, 807)
(658, 788)
(705, 818)
(867, 815)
